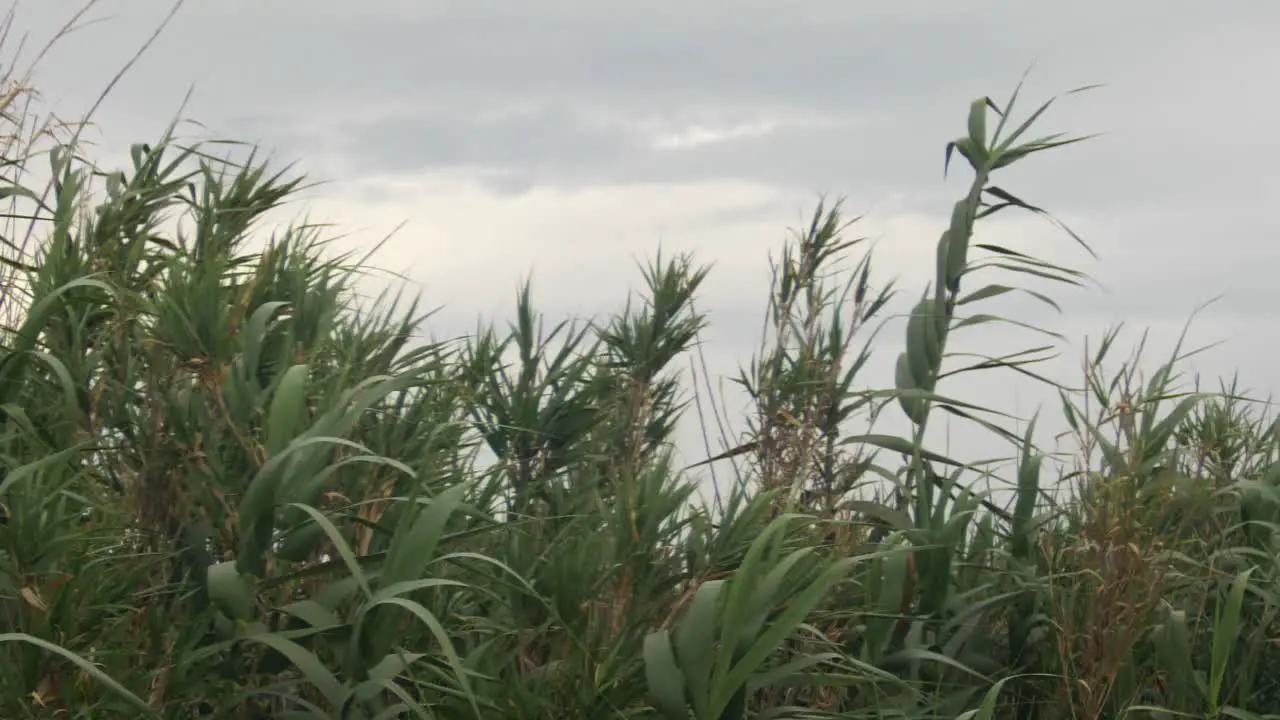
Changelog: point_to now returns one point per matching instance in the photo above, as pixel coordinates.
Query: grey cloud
(482, 54)
(555, 141)
(1175, 194)
(559, 147)
(394, 85)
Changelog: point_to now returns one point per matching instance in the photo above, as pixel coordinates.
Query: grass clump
(230, 489)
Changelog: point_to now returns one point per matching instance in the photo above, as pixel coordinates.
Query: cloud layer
(571, 139)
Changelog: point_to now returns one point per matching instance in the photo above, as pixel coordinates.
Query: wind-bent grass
(228, 493)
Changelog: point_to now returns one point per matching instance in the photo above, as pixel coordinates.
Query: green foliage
(232, 488)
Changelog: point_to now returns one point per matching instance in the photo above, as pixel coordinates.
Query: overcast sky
(570, 139)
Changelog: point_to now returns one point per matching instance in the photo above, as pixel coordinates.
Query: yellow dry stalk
(11, 94)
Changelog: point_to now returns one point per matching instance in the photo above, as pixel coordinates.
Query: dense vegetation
(233, 489)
